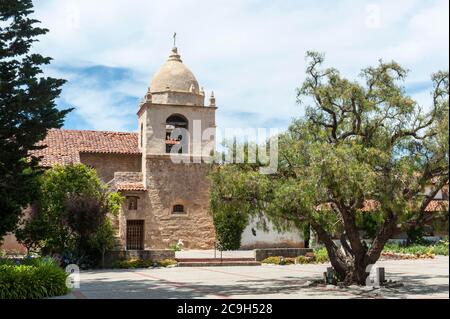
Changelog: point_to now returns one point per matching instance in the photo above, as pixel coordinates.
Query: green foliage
(133, 263)
(360, 142)
(229, 227)
(230, 214)
(307, 234)
(32, 279)
(27, 108)
(440, 248)
(114, 201)
(321, 255)
(139, 263)
(103, 239)
(70, 215)
(369, 222)
(415, 234)
(175, 247)
(167, 262)
(303, 260)
(278, 260)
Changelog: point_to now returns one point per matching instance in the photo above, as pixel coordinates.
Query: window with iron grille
(178, 209)
(135, 234)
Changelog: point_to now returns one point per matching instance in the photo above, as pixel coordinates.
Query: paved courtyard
(427, 278)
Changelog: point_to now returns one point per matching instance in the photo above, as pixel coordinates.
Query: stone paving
(427, 278)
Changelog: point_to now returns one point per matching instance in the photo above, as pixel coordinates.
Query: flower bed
(396, 251)
(319, 256)
(393, 255)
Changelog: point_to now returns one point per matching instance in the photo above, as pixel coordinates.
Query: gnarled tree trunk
(351, 259)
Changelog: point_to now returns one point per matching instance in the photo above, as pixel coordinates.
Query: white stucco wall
(271, 239)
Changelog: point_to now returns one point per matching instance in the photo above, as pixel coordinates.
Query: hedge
(32, 279)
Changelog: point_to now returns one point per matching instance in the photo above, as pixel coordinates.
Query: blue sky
(250, 52)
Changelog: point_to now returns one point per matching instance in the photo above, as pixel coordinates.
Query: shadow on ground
(143, 285)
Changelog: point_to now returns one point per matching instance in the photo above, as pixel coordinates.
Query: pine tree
(27, 108)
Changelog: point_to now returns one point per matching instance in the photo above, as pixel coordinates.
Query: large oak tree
(363, 147)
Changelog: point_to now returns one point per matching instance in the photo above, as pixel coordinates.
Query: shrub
(133, 263)
(31, 279)
(69, 217)
(272, 260)
(139, 263)
(321, 255)
(415, 235)
(103, 239)
(229, 228)
(177, 247)
(167, 262)
(440, 248)
(278, 260)
(303, 260)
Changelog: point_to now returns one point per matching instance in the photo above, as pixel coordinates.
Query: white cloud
(250, 52)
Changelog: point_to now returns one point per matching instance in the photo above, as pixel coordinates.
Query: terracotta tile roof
(127, 181)
(371, 205)
(64, 146)
(134, 186)
(437, 206)
(433, 206)
(172, 142)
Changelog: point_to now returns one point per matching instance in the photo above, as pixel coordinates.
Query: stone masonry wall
(129, 177)
(107, 164)
(169, 184)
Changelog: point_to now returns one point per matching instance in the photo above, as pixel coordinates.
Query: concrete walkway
(428, 278)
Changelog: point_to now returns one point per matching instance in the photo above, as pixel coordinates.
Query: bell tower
(176, 137)
(175, 103)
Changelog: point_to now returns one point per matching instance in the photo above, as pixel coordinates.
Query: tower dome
(174, 83)
(174, 76)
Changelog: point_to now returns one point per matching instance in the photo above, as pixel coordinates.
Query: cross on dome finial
(174, 56)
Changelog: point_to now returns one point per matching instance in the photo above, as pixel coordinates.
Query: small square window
(132, 202)
(178, 209)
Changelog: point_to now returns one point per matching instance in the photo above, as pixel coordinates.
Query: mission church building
(162, 169)
(166, 201)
